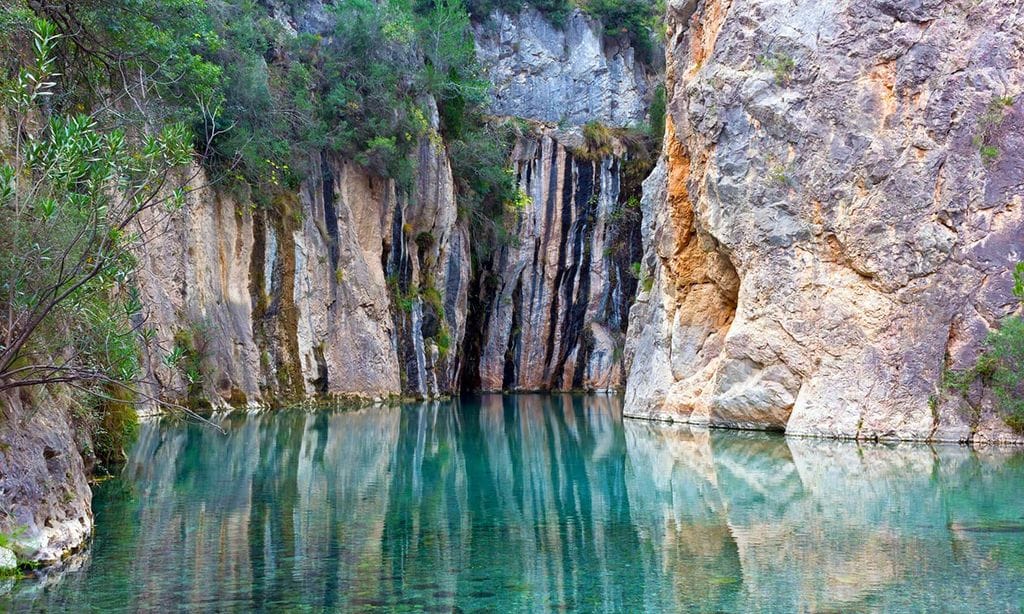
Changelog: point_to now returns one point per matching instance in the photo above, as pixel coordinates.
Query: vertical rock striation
(553, 314)
(354, 286)
(836, 217)
(328, 293)
(428, 268)
(558, 317)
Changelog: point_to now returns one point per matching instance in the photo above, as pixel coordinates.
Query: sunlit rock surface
(570, 74)
(832, 238)
(307, 303)
(355, 287)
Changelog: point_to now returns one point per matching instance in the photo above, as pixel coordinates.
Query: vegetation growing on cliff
(1000, 367)
(264, 102)
(988, 127)
(71, 193)
(229, 80)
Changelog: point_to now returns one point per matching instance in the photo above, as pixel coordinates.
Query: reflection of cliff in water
(520, 498)
(532, 502)
(816, 525)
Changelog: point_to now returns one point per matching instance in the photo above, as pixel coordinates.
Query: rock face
(557, 319)
(836, 217)
(44, 497)
(324, 297)
(8, 560)
(569, 74)
(353, 287)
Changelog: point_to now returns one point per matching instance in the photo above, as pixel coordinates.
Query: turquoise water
(540, 503)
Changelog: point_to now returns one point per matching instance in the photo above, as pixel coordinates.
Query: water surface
(540, 503)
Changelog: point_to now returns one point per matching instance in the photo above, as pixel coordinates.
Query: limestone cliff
(836, 216)
(557, 318)
(571, 74)
(320, 296)
(553, 303)
(354, 287)
(44, 497)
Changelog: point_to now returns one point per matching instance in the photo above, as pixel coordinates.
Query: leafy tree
(141, 57)
(71, 196)
(451, 72)
(262, 111)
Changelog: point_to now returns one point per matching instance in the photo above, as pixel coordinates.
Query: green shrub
(489, 196)
(1006, 353)
(988, 124)
(189, 356)
(636, 20)
(71, 187)
(117, 425)
(989, 154)
(432, 297)
(779, 174)
(443, 341)
(780, 65)
(1000, 368)
(598, 141)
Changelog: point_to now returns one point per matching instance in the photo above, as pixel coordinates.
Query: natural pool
(540, 503)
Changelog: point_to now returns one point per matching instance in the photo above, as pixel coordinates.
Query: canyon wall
(557, 318)
(45, 499)
(352, 287)
(570, 75)
(835, 219)
(555, 300)
(344, 289)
